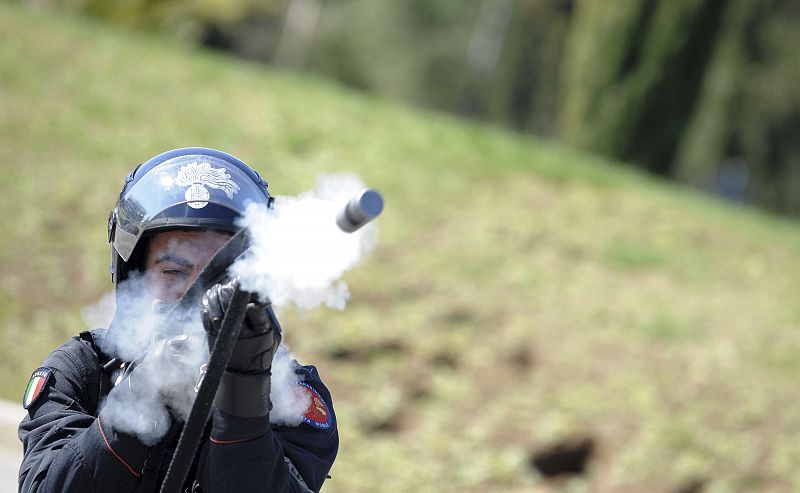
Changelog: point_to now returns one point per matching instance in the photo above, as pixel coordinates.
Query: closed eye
(174, 259)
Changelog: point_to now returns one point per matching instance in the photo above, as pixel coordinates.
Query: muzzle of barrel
(361, 209)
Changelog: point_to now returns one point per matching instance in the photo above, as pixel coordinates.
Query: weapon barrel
(361, 209)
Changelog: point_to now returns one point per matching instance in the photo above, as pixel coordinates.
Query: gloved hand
(244, 389)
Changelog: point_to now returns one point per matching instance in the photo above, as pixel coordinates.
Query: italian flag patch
(38, 380)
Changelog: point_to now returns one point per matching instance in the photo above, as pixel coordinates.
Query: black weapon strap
(191, 477)
(220, 354)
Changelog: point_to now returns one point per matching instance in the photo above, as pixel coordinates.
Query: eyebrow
(177, 259)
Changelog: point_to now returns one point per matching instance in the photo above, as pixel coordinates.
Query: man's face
(175, 258)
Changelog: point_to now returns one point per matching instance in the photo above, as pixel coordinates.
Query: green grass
(522, 293)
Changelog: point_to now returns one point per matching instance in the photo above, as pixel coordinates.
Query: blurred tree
(413, 50)
(299, 30)
(633, 73)
(523, 89)
(749, 112)
(700, 90)
(483, 53)
(249, 28)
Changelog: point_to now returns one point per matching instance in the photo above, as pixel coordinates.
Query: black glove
(244, 389)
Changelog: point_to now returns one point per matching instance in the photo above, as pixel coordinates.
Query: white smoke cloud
(297, 258)
(163, 384)
(289, 401)
(298, 253)
(101, 313)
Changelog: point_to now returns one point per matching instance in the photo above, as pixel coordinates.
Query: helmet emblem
(198, 176)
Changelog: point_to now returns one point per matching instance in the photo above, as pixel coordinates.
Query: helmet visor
(192, 191)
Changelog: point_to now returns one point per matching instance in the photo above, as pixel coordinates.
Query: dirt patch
(696, 485)
(569, 457)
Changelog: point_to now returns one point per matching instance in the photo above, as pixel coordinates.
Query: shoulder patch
(36, 384)
(318, 414)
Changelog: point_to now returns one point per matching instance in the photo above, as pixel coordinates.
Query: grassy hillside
(524, 298)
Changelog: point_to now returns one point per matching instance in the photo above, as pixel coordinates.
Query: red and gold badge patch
(318, 414)
(36, 384)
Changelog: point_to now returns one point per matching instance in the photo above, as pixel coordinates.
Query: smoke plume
(298, 254)
(296, 260)
(166, 357)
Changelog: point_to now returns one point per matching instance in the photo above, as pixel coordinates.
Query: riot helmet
(192, 188)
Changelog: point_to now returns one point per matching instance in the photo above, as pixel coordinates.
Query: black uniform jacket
(70, 446)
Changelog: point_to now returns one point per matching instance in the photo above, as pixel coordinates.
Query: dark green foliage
(521, 91)
(699, 90)
(632, 95)
(749, 114)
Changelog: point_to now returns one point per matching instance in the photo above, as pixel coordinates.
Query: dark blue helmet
(187, 188)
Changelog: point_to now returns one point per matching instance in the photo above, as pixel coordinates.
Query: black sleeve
(249, 455)
(67, 449)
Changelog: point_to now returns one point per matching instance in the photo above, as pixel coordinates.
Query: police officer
(174, 212)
